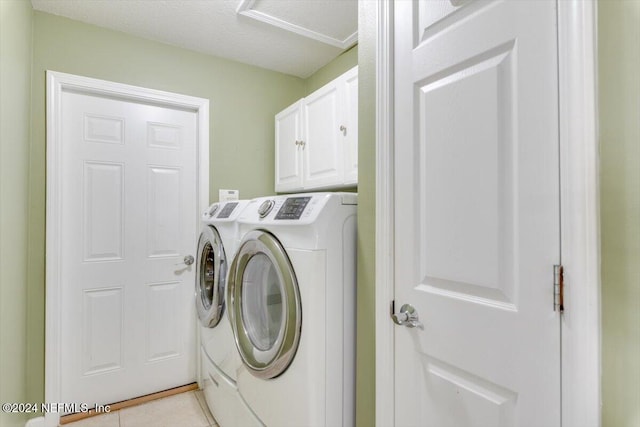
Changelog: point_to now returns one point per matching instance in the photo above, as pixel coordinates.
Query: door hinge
(558, 288)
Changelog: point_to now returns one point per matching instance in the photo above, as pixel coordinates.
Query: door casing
(579, 193)
(57, 83)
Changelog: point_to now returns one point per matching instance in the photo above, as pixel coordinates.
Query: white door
(349, 125)
(322, 152)
(476, 213)
(129, 217)
(288, 139)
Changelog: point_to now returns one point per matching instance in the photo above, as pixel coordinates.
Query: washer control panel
(227, 210)
(292, 208)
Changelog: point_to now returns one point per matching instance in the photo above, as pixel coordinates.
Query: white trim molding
(580, 230)
(580, 252)
(57, 83)
(385, 386)
(245, 8)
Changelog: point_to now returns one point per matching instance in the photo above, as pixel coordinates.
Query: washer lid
(211, 272)
(264, 305)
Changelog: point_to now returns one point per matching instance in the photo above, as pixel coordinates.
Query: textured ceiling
(273, 34)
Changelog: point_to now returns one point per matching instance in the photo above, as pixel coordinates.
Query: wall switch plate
(228, 195)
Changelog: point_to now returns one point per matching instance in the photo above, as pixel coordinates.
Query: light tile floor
(181, 410)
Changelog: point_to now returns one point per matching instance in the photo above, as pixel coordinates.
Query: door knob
(408, 317)
(188, 260)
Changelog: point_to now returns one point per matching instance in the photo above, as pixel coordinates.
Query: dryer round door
(211, 273)
(264, 305)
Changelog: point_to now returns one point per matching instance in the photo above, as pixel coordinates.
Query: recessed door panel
(102, 330)
(455, 394)
(165, 320)
(103, 211)
(109, 130)
(163, 135)
(467, 179)
(435, 16)
(164, 225)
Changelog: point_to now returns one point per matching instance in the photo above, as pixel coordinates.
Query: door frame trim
(580, 214)
(57, 83)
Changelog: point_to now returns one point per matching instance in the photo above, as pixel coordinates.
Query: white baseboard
(35, 422)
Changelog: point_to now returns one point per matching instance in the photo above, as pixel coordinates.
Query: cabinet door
(322, 153)
(288, 158)
(349, 125)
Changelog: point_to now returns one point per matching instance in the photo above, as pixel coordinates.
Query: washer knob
(212, 210)
(265, 208)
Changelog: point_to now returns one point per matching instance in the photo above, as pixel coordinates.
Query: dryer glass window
(207, 277)
(262, 295)
(211, 269)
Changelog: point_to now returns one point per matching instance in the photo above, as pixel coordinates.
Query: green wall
(15, 88)
(619, 94)
(344, 62)
(365, 345)
(244, 101)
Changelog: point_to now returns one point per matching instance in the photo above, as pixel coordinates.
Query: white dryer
(219, 360)
(291, 304)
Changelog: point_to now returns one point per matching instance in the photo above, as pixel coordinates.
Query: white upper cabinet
(317, 138)
(288, 140)
(321, 150)
(349, 127)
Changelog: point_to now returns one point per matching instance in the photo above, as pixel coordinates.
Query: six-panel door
(129, 217)
(477, 213)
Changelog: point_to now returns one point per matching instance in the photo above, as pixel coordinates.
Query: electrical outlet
(228, 195)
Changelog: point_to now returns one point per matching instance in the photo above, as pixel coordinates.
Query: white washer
(219, 360)
(291, 299)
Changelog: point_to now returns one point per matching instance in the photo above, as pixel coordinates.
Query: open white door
(125, 191)
(477, 229)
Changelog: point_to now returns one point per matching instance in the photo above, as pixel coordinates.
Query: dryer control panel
(295, 209)
(292, 208)
(228, 208)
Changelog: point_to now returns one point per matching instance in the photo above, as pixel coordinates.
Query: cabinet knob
(343, 128)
